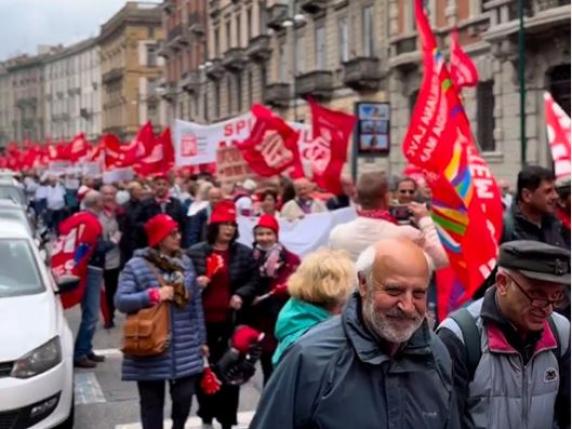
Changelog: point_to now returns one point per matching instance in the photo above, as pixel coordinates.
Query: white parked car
(36, 343)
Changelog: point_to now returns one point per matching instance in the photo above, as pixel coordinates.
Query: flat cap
(536, 260)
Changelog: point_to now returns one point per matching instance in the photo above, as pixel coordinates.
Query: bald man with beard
(378, 365)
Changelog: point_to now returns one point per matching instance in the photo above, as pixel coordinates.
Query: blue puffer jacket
(183, 357)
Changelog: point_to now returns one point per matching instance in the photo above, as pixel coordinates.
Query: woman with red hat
(275, 265)
(163, 263)
(227, 273)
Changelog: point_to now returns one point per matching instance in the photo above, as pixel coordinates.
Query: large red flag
(113, 155)
(141, 145)
(558, 132)
(72, 252)
(329, 149)
(463, 70)
(272, 146)
(78, 148)
(466, 205)
(160, 159)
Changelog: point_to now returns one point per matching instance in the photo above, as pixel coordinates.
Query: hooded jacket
(337, 377)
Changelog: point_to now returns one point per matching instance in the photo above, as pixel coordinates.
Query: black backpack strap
(471, 338)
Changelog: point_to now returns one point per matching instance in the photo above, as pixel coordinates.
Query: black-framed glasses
(535, 301)
(407, 191)
(175, 233)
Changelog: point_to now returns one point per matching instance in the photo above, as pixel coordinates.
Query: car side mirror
(67, 283)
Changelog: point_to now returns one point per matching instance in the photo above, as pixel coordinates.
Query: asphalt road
(103, 401)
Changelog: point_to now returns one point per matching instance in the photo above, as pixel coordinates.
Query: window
(300, 54)
(343, 34)
(150, 32)
(238, 29)
(228, 35)
(367, 28)
(250, 90)
(283, 63)
(151, 55)
(559, 86)
(217, 100)
(485, 116)
(320, 46)
(217, 42)
(238, 92)
(19, 269)
(412, 100)
(228, 97)
(249, 22)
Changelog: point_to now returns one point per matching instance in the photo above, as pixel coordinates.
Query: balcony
(216, 70)
(214, 8)
(259, 48)
(404, 53)
(277, 94)
(112, 75)
(313, 6)
(362, 73)
(176, 37)
(169, 91)
(234, 59)
(191, 82)
(163, 50)
(195, 23)
(318, 84)
(167, 7)
(175, 32)
(276, 14)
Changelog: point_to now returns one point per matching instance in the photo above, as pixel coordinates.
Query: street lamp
(522, 84)
(291, 22)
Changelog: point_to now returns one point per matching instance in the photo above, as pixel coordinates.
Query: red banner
(272, 146)
(558, 133)
(331, 133)
(72, 251)
(161, 157)
(79, 148)
(463, 70)
(466, 205)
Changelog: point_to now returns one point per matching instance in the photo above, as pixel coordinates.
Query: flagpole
(521, 77)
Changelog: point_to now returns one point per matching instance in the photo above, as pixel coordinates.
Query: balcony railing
(195, 23)
(216, 70)
(277, 94)
(319, 84)
(276, 14)
(175, 32)
(191, 81)
(362, 73)
(234, 59)
(259, 48)
(112, 75)
(313, 6)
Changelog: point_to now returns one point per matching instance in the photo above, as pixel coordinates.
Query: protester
(269, 203)
(378, 365)
(346, 198)
(228, 275)
(275, 265)
(532, 215)
(198, 222)
(510, 350)
(406, 190)
(84, 357)
(563, 209)
(506, 195)
(287, 191)
(303, 204)
(319, 288)
(245, 201)
(162, 202)
(182, 363)
(131, 235)
(55, 203)
(111, 233)
(374, 223)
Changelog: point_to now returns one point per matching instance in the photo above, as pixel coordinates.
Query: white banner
(301, 236)
(197, 144)
(118, 175)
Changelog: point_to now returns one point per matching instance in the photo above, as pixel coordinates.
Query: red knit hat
(159, 227)
(224, 211)
(268, 221)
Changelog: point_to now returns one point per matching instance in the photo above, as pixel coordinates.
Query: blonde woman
(319, 288)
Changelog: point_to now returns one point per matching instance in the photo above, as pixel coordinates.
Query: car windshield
(8, 192)
(19, 273)
(17, 215)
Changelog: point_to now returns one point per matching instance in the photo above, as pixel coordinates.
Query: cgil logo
(550, 375)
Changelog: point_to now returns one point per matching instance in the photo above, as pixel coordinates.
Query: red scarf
(377, 214)
(563, 217)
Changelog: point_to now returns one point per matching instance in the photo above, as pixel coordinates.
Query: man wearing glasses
(510, 349)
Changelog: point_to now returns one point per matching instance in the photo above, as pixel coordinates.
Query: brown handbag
(148, 332)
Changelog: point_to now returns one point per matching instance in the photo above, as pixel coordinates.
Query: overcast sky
(29, 23)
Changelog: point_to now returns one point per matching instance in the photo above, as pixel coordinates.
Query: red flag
(72, 251)
(329, 149)
(272, 146)
(161, 157)
(463, 70)
(141, 145)
(466, 205)
(113, 156)
(78, 148)
(558, 132)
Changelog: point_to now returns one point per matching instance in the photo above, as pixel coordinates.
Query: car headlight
(38, 360)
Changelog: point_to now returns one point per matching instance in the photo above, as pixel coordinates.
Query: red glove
(244, 336)
(210, 383)
(215, 262)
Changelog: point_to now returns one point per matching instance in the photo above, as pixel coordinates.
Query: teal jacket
(295, 319)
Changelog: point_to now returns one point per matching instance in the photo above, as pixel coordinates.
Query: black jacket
(151, 207)
(132, 236)
(337, 377)
(518, 227)
(196, 228)
(243, 272)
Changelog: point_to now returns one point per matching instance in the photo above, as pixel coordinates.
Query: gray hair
(91, 199)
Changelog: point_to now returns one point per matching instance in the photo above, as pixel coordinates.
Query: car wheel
(68, 423)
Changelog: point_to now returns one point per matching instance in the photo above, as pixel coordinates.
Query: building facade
(131, 69)
(184, 50)
(73, 92)
(489, 32)
(6, 106)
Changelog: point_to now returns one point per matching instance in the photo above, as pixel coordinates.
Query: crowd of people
(348, 333)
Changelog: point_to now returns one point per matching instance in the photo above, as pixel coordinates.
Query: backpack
(472, 338)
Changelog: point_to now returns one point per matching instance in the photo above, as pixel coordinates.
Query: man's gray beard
(382, 326)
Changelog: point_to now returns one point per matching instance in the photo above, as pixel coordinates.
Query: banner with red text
(558, 133)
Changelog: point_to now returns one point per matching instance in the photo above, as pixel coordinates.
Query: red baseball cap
(159, 227)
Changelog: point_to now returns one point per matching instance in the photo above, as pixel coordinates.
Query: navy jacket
(183, 357)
